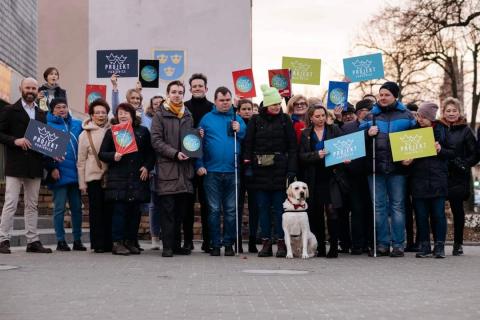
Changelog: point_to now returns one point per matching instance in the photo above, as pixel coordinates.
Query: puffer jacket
(172, 176)
(123, 177)
(88, 169)
(269, 134)
(462, 140)
(394, 118)
(67, 167)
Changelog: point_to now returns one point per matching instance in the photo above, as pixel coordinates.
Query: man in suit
(22, 167)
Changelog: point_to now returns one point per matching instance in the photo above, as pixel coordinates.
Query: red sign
(244, 84)
(280, 79)
(94, 92)
(124, 138)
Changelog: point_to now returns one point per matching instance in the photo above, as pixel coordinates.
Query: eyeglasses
(300, 104)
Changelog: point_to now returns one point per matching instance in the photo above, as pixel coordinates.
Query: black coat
(270, 135)
(358, 166)
(13, 124)
(310, 161)
(198, 108)
(123, 177)
(462, 140)
(429, 176)
(58, 92)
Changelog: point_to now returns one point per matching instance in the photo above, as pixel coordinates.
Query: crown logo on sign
(111, 58)
(342, 145)
(122, 58)
(300, 66)
(362, 63)
(169, 71)
(411, 139)
(44, 134)
(162, 58)
(176, 58)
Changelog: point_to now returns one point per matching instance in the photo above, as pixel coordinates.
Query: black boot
(321, 251)
(252, 245)
(457, 249)
(439, 250)
(332, 225)
(281, 249)
(266, 249)
(62, 246)
(78, 246)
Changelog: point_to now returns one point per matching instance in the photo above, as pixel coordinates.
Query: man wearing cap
(23, 167)
(63, 176)
(388, 115)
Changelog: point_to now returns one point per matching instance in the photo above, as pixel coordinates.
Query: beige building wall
(63, 43)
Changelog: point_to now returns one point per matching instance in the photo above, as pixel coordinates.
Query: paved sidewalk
(79, 285)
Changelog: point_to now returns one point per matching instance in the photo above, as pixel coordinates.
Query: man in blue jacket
(64, 176)
(388, 115)
(218, 167)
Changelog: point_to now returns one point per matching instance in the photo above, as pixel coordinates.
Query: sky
(322, 29)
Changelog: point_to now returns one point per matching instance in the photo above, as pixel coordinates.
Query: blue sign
(348, 147)
(121, 62)
(337, 94)
(47, 140)
(172, 64)
(364, 68)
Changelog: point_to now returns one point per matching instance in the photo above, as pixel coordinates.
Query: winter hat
(270, 95)
(56, 101)
(348, 109)
(364, 104)
(392, 87)
(428, 110)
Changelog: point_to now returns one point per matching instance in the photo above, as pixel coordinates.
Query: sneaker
(5, 247)
(155, 243)
(215, 252)
(229, 251)
(131, 247)
(383, 252)
(78, 246)
(425, 250)
(397, 253)
(457, 249)
(439, 250)
(119, 249)
(37, 247)
(62, 246)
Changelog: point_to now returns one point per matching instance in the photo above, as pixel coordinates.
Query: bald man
(23, 167)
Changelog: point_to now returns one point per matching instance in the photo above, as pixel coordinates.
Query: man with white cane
(388, 179)
(219, 166)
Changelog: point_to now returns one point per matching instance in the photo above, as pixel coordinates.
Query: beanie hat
(364, 104)
(270, 95)
(56, 101)
(392, 87)
(428, 110)
(348, 109)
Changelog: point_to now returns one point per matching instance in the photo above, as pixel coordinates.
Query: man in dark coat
(22, 166)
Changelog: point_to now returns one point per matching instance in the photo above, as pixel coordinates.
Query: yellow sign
(412, 144)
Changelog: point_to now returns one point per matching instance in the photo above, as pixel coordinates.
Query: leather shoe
(37, 247)
(5, 247)
(131, 247)
(182, 251)
(78, 246)
(215, 252)
(62, 246)
(229, 251)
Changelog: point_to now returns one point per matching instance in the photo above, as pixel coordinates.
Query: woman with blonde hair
(297, 108)
(460, 137)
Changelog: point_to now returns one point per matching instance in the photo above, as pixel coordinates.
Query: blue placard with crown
(172, 64)
(364, 68)
(47, 140)
(121, 62)
(348, 147)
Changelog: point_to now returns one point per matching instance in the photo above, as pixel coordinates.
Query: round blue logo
(149, 73)
(337, 96)
(191, 142)
(279, 82)
(124, 138)
(93, 96)
(244, 84)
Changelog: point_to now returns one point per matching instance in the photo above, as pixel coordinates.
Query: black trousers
(320, 207)
(456, 204)
(360, 204)
(409, 218)
(100, 217)
(189, 217)
(173, 208)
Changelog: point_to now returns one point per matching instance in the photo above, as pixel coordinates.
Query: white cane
(374, 198)
(236, 191)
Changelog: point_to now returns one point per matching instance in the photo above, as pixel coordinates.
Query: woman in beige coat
(90, 175)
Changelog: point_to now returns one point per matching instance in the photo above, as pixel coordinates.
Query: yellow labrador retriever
(300, 241)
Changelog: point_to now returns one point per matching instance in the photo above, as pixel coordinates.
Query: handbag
(99, 163)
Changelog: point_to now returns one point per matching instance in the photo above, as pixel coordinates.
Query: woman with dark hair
(50, 89)
(461, 138)
(127, 184)
(91, 173)
(324, 183)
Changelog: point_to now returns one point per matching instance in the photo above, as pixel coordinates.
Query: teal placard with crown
(364, 68)
(172, 64)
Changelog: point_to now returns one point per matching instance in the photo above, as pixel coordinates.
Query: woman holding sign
(461, 137)
(127, 149)
(325, 194)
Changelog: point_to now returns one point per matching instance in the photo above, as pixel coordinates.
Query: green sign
(412, 144)
(305, 71)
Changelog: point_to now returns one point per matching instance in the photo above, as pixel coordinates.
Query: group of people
(248, 150)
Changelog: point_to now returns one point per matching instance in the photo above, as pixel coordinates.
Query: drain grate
(276, 271)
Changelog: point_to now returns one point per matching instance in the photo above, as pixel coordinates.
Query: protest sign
(192, 144)
(337, 94)
(348, 147)
(94, 92)
(303, 70)
(148, 73)
(412, 144)
(280, 79)
(364, 68)
(124, 138)
(121, 62)
(244, 84)
(47, 140)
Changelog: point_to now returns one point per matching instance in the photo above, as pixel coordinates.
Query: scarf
(176, 109)
(49, 86)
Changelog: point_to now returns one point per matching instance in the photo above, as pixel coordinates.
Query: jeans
(154, 216)
(125, 220)
(266, 202)
(220, 192)
(390, 196)
(434, 208)
(61, 195)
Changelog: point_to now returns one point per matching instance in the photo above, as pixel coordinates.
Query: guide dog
(299, 240)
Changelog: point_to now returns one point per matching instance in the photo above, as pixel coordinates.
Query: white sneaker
(155, 243)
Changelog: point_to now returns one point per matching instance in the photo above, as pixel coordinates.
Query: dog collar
(296, 206)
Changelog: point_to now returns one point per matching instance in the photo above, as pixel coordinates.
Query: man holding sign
(388, 115)
(22, 166)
